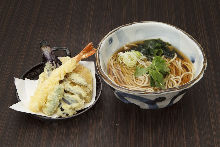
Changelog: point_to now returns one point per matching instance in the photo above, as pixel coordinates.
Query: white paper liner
(25, 89)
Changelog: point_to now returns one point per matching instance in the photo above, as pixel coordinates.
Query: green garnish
(129, 58)
(157, 79)
(140, 71)
(157, 71)
(160, 65)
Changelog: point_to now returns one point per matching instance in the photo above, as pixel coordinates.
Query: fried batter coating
(39, 99)
(77, 79)
(71, 104)
(53, 100)
(47, 86)
(75, 89)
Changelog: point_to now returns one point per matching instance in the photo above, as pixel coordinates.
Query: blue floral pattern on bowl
(146, 103)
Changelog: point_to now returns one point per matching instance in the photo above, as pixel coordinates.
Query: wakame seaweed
(155, 47)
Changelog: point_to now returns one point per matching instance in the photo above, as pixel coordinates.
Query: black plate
(33, 74)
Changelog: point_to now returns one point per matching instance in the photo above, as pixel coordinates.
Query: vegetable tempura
(57, 83)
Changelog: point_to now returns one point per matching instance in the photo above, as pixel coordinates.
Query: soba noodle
(181, 72)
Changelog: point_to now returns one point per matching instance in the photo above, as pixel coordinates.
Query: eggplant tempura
(64, 86)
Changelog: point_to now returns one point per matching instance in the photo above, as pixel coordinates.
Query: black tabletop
(194, 121)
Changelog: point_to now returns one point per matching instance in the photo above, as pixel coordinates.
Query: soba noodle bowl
(149, 65)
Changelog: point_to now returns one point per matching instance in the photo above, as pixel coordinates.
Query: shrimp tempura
(39, 99)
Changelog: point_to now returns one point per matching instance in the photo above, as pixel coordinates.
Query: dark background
(194, 121)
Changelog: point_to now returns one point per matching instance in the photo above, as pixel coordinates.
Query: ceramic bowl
(150, 30)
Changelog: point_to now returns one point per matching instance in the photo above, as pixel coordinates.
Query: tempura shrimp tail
(86, 52)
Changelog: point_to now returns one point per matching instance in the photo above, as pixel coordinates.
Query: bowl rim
(174, 89)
